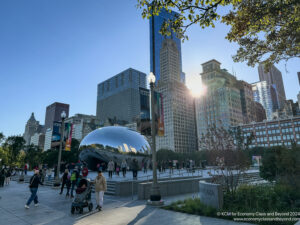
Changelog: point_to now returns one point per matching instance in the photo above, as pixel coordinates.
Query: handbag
(31, 182)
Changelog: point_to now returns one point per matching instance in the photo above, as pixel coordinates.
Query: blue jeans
(33, 196)
(72, 187)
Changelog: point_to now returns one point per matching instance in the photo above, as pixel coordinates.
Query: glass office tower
(156, 40)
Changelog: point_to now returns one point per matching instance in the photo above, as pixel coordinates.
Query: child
(118, 169)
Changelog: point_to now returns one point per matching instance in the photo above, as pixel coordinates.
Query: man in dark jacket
(135, 168)
(34, 185)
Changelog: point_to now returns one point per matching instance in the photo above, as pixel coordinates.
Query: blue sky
(55, 50)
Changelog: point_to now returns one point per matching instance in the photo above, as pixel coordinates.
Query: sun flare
(194, 83)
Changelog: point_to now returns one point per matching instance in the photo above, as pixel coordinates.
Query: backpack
(73, 177)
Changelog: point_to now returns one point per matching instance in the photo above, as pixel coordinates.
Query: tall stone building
(221, 105)
(32, 126)
(273, 77)
(178, 104)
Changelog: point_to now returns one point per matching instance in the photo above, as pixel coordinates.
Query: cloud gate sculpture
(113, 143)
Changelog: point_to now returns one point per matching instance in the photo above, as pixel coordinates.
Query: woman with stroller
(100, 188)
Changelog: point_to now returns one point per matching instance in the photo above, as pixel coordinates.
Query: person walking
(73, 180)
(25, 169)
(117, 169)
(100, 188)
(110, 168)
(124, 167)
(135, 167)
(145, 167)
(34, 185)
(68, 185)
(7, 176)
(2, 177)
(49, 173)
(64, 180)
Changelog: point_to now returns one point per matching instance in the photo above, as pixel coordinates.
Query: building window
(116, 82)
(130, 76)
(122, 79)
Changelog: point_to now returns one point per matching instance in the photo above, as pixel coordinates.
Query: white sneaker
(36, 205)
(26, 207)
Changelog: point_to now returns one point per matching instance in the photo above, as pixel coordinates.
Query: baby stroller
(83, 197)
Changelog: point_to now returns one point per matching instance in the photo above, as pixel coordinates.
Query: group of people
(70, 180)
(113, 167)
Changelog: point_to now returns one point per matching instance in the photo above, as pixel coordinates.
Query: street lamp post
(155, 196)
(63, 116)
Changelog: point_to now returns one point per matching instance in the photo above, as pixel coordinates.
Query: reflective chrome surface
(114, 142)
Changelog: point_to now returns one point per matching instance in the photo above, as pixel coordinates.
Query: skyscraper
(156, 40)
(273, 77)
(266, 95)
(32, 126)
(178, 104)
(221, 105)
(119, 97)
(53, 113)
(247, 101)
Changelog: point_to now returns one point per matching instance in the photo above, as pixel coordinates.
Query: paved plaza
(55, 209)
(177, 173)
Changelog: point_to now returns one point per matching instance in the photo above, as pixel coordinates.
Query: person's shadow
(145, 212)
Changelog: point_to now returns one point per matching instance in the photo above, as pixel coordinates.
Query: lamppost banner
(56, 135)
(159, 114)
(68, 130)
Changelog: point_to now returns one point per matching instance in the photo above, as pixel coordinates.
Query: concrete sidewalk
(55, 209)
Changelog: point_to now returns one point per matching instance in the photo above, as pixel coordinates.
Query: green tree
(267, 31)
(50, 157)
(14, 144)
(33, 155)
(282, 165)
(1, 137)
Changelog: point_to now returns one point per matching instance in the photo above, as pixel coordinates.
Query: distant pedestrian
(49, 173)
(64, 180)
(100, 188)
(2, 177)
(85, 172)
(145, 167)
(98, 166)
(118, 169)
(124, 167)
(68, 185)
(34, 185)
(25, 169)
(135, 167)
(7, 176)
(110, 168)
(73, 180)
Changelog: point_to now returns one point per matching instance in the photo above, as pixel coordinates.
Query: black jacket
(35, 181)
